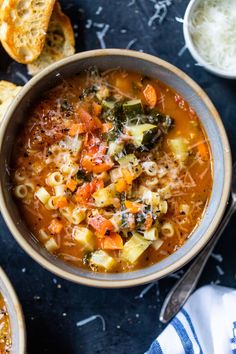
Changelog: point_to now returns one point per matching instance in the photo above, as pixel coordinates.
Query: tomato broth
(112, 171)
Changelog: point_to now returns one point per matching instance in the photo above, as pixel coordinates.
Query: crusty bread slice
(8, 91)
(23, 27)
(60, 41)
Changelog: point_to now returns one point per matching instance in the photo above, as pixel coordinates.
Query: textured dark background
(53, 306)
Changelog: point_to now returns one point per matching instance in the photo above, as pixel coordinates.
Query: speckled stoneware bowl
(153, 67)
(15, 314)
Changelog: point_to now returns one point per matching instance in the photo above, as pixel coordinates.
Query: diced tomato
(101, 224)
(55, 227)
(112, 242)
(93, 158)
(84, 193)
(91, 123)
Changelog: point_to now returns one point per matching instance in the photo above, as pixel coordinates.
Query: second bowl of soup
(113, 169)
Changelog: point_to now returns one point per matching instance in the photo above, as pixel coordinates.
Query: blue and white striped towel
(205, 325)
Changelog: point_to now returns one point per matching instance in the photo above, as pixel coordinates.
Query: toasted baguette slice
(60, 42)
(8, 91)
(23, 28)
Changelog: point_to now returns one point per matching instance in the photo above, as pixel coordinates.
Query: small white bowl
(193, 4)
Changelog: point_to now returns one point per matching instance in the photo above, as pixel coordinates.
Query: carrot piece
(77, 128)
(55, 227)
(133, 207)
(127, 176)
(101, 224)
(60, 202)
(121, 185)
(91, 123)
(96, 109)
(106, 127)
(112, 242)
(150, 95)
(71, 184)
(148, 222)
(96, 165)
(202, 149)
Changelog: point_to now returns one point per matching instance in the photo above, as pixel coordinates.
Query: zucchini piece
(140, 131)
(115, 147)
(133, 108)
(128, 160)
(131, 163)
(152, 234)
(100, 259)
(134, 247)
(108, 104)
(105, 196)
(84, 236)
(179, 148)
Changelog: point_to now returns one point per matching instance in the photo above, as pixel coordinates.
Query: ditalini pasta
(112, 171)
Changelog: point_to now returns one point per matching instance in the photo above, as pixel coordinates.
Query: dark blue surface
(53, 306)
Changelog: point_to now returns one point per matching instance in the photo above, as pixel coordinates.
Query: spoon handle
(181, 291)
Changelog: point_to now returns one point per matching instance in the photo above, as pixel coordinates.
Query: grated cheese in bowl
(210, 33)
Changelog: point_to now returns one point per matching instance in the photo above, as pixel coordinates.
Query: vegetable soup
(112, 171)
(5, 332)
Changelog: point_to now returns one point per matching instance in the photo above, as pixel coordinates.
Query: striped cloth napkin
(205, 325)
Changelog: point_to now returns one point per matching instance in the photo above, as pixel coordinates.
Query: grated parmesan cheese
(213, 32)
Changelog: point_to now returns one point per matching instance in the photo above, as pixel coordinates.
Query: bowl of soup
(116, 168)
(12, 327)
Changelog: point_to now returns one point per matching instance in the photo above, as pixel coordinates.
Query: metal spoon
(185, 286)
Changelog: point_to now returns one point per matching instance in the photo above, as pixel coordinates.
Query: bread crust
(60, 41)
(8, 91)
(23, 27)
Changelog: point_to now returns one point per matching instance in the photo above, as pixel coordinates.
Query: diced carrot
(121, 185)
(97, 109)
(148, 222)
(101, 224)
(55, 227)
(112, 242)
(60, 202)
(84, 193)
(106, 127)
(91, 123)
(96, 164)
(133, 207)
(202, 149)
(127, 176)
(71, 184)
(150, 95)
(77, 128)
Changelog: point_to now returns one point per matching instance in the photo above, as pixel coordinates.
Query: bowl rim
(217, 217)
(13, 298)
(192, 48)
